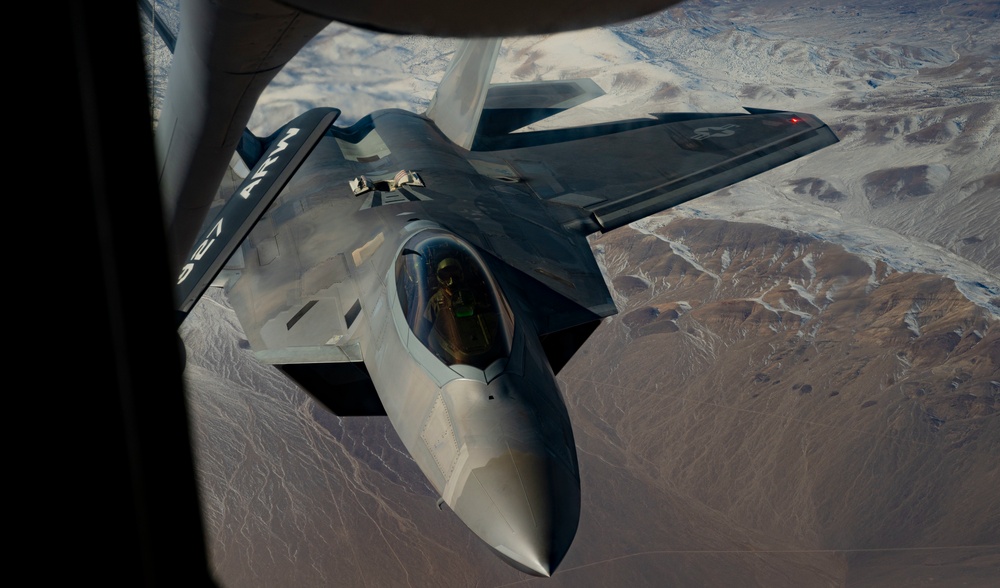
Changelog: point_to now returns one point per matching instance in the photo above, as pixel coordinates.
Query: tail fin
(466, 107)
(458, 103)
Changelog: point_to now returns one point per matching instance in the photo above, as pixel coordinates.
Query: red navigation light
(794, 120)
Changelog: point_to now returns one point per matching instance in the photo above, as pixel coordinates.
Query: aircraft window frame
(451, 302)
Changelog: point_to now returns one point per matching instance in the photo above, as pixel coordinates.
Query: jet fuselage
(330, 277)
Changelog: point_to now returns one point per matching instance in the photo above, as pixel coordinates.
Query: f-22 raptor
(435, 268)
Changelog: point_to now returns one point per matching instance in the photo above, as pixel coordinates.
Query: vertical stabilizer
(458, 103)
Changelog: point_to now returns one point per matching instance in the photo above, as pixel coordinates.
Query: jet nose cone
(536, 566)
(524, 505)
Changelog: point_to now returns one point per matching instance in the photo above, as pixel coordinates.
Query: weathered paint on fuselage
(496, 443)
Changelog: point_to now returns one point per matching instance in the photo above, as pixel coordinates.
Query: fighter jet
(434, 268)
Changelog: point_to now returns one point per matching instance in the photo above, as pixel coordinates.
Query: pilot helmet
(448, 271)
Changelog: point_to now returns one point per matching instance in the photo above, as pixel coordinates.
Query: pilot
(450, 278)
(462, 326)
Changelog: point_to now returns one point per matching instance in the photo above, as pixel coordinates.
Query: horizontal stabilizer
(509, 107)
(753, 110)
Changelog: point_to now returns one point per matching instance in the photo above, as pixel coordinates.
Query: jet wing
(601, 177)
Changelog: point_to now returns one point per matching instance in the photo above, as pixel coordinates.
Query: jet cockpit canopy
(452, 302)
